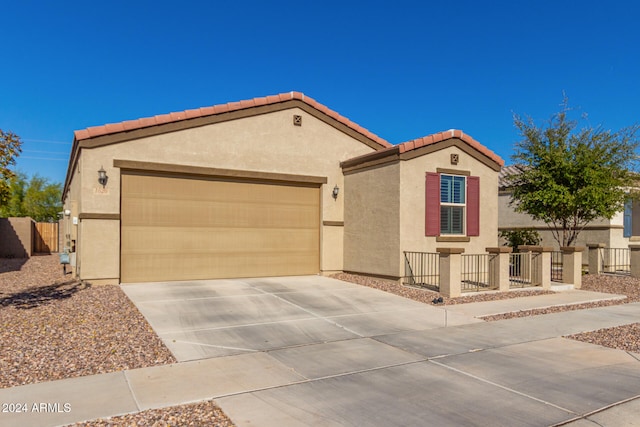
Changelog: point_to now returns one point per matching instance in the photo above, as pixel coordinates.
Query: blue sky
(401, 69)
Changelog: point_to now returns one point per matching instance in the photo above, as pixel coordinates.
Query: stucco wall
(264, 143)
(16, 237)
(509, 218)
(100, 253)
(372, 221)
(412, 208)
(332, 248)
(70, 223)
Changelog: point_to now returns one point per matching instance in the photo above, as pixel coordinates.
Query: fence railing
(615, 260)
(422, 269)
(475, 273)
(519, 269)
(556, 266)
(537, 266)
(524, 269)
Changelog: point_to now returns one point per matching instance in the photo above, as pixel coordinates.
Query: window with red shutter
(473, 206)
(452, 205)
(432, 205)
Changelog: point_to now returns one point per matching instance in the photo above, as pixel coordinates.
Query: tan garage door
(177, 228)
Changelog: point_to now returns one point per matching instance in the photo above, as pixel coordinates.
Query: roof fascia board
(384, 156)
(223, 117)
(452, 142)
(124, 136)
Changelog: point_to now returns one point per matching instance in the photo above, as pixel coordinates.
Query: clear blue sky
(401, 69)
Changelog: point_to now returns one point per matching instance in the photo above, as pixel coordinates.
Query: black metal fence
(475, 274)
(615, 260)
(556, 266)
(524, 269)
(422, 269)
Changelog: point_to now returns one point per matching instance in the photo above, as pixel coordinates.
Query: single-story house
(614, 232)
(273, 186)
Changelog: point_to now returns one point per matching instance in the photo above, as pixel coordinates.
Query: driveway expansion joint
(634, 355)
(317, 316)
(509, 389)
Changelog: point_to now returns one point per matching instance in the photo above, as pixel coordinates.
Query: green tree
(516, 238)
(10, 144)
(37, 198)
(569, 177)
(14, 205)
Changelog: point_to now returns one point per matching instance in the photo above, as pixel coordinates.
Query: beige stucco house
(273, 186)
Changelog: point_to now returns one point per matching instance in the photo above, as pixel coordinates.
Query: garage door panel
(176, 228)
(196, 266)
(167, 213)
(196, 240)
(174, 188)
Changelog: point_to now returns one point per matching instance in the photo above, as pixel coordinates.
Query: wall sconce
(102, 176)
(335, 192)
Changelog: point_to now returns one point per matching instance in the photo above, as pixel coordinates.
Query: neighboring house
(614, 233)
(272, 186)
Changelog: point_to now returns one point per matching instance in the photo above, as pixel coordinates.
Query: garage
(182, 227)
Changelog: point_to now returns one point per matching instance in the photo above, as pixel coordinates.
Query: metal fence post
(450, 267)
(595, 257)
(500, 272)
(635, 260)
(572, 265)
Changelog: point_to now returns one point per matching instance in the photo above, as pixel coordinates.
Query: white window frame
(453, 204)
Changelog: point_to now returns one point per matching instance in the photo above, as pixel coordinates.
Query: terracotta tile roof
(424, 141)
(112, 128)
(448, 134)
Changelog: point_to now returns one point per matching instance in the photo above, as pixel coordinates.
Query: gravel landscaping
(197, 414)
(427, 296)
(53, 327)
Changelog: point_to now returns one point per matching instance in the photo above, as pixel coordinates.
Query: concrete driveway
(307, 351)
(214, 318)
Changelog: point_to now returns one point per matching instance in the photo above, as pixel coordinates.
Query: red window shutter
(473, 206)
(432, 205)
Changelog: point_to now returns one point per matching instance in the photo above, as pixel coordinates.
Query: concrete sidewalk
(568, 297)
(511, 372)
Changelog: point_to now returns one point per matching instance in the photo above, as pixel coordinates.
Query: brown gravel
(52, 327)
(197, 414)
(427, 296)
(625, 337)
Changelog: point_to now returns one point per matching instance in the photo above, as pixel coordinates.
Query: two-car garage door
(180, 228)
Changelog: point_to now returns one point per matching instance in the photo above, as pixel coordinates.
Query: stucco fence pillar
(499, 267)
(595, 257)
(539, 264)
(634, 260)
(572, 265)
(450, 268)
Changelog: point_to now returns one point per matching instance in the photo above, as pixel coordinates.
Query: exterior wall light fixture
(335, 192)
(102, 176)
